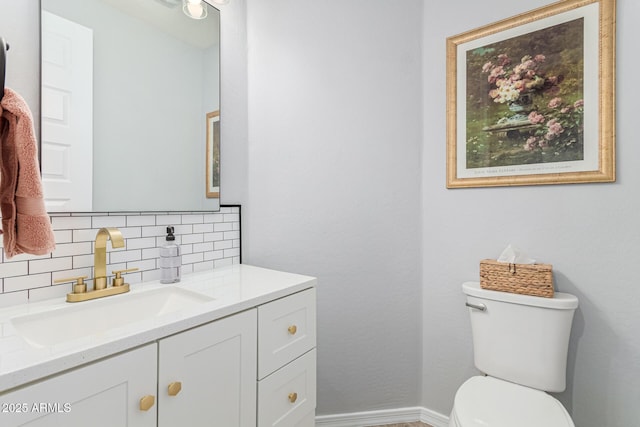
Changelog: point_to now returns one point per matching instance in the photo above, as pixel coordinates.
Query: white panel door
(215, 366)
(102, 394)
(67, 114)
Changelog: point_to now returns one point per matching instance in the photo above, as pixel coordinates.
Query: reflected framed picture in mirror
(213, 154)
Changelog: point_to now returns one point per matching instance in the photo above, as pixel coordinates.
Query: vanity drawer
(286, 329)
(287, 398)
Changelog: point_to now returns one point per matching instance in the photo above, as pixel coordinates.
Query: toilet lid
(490, 402)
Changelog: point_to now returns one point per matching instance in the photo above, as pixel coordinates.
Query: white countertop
(233, 289)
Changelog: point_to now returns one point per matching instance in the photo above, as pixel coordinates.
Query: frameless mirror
(130, 106)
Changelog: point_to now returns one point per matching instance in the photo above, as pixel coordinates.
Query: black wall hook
(4, 47)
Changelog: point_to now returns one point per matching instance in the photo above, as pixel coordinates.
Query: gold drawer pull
(292, 329)
(147, 402)
(174, 388)
(293, 397)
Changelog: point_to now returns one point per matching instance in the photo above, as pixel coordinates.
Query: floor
(416, 424)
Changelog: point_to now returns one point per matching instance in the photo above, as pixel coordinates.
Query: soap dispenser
(170, 259)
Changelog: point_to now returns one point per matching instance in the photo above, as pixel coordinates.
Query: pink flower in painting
(579, 103)
(565, 110)
(554, 129)
(487, 67)
(495, 73)
(555, 102)
(535, 118)
(531, 143)
(539, 58)
(503, 59)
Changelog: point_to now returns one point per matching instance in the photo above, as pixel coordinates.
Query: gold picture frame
(531, 99)
(213, 155)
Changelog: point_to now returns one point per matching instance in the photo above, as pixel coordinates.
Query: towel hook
(4, 47)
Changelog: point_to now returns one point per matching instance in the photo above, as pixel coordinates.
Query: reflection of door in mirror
(155, 77)
(67, 110)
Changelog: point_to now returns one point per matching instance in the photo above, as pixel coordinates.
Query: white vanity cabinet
(207, 375)
(191, 378)
(287, 361)
(101, 394)
(247, 361)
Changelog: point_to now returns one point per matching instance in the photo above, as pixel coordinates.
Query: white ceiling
(167, 15)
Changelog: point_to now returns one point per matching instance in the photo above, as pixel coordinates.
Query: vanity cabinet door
(107, 393)
(207, 375)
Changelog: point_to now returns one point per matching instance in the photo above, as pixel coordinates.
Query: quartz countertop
(234, 289)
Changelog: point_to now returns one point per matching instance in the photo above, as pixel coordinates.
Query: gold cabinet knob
(293, 397)
(292, 329)
(174, 388)
(147, 402)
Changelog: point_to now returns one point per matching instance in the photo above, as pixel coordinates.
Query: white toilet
(520, 342)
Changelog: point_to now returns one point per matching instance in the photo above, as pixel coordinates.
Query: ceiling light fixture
(195, 9)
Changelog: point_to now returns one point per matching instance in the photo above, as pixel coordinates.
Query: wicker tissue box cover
(526, 279)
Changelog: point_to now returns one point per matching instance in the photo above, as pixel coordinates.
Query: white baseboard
(388, 416)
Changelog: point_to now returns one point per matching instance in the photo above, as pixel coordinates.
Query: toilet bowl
(491, 402)
(520, 343)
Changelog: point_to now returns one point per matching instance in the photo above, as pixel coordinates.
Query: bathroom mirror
(128, 90)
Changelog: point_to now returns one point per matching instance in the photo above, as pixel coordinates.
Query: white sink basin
(89, 318)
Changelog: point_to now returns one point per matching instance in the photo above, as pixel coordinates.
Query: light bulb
(194, 9)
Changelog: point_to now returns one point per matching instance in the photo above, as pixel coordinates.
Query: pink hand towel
(26, 227)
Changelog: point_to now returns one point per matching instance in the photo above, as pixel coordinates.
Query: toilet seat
(491, 402)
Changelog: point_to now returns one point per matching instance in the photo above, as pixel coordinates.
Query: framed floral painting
(530, 99)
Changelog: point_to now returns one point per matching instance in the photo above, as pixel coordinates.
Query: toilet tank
(521, 338)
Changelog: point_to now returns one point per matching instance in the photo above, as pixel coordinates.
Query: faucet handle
(118, 280)
(79, 288)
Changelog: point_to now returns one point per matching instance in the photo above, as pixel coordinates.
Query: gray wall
(589, 232)
(334, 183)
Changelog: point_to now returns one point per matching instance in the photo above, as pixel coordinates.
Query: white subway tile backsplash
(223, 226)
(222, 262)
(80, 261)
(231, 235)
(10, 269)
(193, 219)
(207, 239)
(168, 220)
(70, 249)
(192, 238)
(213, 255)
(141, 243)
(212, 237)
(203, 247)
(230, 253)
(22, 283)
(222, 244)
(125, 256)
(63, 236)
(202, 228)
(108, 221)
(49, 265)
(150, 253)
(70, 222)
(48, 292)
(139, 220)
(231, 217)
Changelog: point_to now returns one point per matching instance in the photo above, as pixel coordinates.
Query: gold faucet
(100, 254)
(100, 288)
